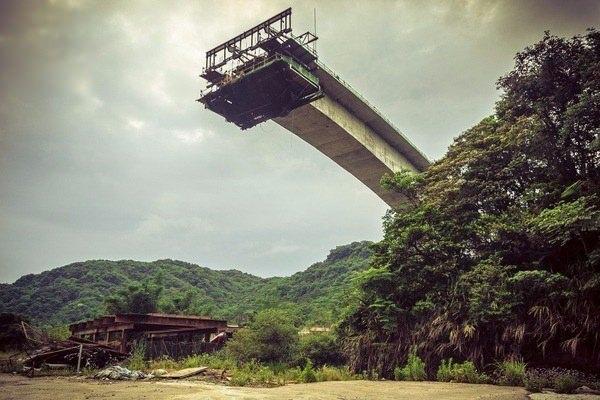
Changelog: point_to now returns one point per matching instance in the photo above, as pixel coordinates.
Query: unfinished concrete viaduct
(268, 73)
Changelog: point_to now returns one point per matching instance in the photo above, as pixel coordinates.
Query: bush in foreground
(270, 338)
(465, 372)
(254, 373)
(321, 349)
(511, 372)
(413, 370)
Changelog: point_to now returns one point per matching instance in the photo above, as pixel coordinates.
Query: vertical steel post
(79, 358)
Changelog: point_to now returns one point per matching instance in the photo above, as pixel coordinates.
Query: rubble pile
(93, 355)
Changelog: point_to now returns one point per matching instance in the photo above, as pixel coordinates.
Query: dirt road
(17, 387)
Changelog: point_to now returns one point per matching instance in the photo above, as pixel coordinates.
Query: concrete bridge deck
(346, 128)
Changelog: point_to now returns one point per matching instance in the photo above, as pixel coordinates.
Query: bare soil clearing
(17, 387)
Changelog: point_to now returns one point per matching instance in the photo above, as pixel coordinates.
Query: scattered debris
(586, 390)
(216, 375)
(158, 372)
(185, 373)
(39, 350)
(118, 373)
(75, 352)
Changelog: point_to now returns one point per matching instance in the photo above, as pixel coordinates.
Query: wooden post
(79, 358)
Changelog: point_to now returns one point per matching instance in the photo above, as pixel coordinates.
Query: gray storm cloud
(105, 154)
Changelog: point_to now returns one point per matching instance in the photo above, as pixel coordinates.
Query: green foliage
(497, 252)
(464, 372)
(511, 372)
(565, 384)
(218, 360)
(413, 370)
(141, 299)
(535, 383)
(308, 373)
(137, 360)
(58, 332)
(254, 373)
(270, 337)
(405, 182)
(321, 349)
(77, 291)
(328, 373)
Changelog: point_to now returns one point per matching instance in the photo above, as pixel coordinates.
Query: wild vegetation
(496, 254)
(489, 273)
(267, 352)
(80, 290)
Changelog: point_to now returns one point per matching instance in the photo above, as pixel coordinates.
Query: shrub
(58, 332)
(398, 374)
(414, 370)
(566, 383)
(291, 375)
(138, 355)
(534, 384)
(164, 362)
(240, 378)
(328, 373)
(321, 349)
(465, 372)
(308, 373)
(511, 372)
(535, 380)
(561, 379)
(271, 337)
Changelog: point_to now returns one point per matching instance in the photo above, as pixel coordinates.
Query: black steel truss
(242, 45)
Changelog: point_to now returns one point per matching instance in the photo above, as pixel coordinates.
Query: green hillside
(77, 291)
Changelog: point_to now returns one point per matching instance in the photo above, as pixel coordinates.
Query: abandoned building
(162, 334)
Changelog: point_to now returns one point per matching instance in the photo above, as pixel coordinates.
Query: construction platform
(268, 73)
(278, 85)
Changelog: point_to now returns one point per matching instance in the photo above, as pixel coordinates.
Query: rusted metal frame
(305, 39)
(107, 329)
(285, 26)
(169, 320)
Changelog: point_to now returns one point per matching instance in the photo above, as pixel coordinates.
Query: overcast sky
(105, 154)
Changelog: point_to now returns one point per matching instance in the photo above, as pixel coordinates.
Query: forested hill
(78, 291)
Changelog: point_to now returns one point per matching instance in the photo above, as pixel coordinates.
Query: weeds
(465, 372)
(137, 360)
(566, 383)
(414, 370)
(511, 372)
(253, 373)
(308, 373)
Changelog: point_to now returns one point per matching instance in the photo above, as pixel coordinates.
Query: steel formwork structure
(262, 73)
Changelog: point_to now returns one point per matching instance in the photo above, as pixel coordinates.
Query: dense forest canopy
(496, 253)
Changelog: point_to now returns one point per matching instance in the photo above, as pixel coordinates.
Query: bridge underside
(351, 144)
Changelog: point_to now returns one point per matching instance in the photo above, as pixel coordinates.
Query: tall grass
(465, 372)
(254, 373)
(137, 360)
(413, 370)
(511, 372)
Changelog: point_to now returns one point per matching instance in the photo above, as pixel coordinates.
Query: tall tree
(497, 254)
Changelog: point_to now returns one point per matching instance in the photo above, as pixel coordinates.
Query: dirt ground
(21, 388)
(15, 387)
